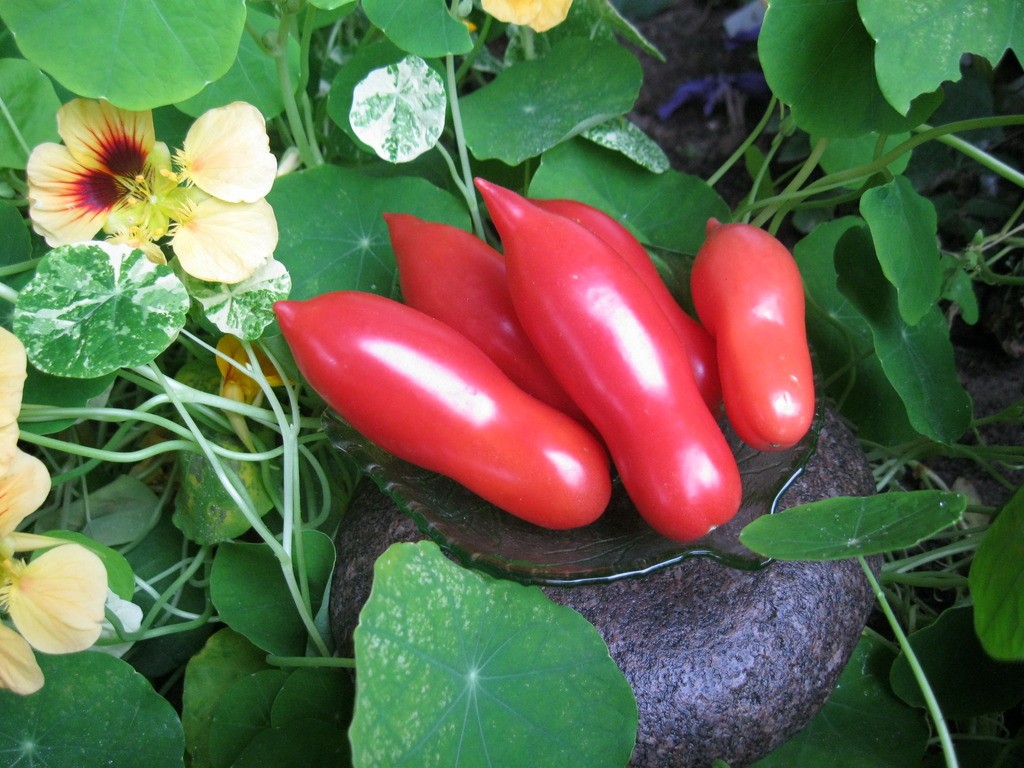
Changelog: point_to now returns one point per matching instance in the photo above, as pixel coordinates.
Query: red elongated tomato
(699, 345)
(749, 294)
(425, 393)
(456, 277)
(605, 338)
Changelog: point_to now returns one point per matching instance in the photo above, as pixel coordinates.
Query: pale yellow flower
(112, 175)
(19, 671)
(539, 15)
(23, 489)
(13, 370)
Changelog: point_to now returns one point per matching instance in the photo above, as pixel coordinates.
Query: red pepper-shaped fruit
(456, 277)
(698, 343)
(748, 293)
(425, 393)
(611, 346)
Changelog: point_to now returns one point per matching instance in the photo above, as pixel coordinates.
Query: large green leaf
(843, 345)
(818, 57)
(332, 234)
(535, 104)
(917, 359)
(94, 709)
(456, 668)
(95, 307)
(997, 583)
(845, 526)
(137, 54)
(903, 228)
(966, 681)
(862, 725)
(241, 713)
(668, 210)
(247, 586)
(920, 45)
(421, 27)
(29, 106)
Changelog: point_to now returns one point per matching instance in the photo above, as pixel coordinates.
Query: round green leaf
(818, 57)
(120, 512)
(95, 307)
(457, 668)
(241, 713)
(332, 234)
(535, 104)
(14, 235)
(315, 693)
(94, 709)
(243, 309)
(997, 583)
(966, 681)
(846, 154)
(399, 110)
(31, 105)
(845, 526)
(253, 76)
(250, 593)
(620, 135)
(862, 725)
(422, 27)
(137, 54)
(322, 746)
(45, 389)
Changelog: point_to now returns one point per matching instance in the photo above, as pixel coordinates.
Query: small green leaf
(535, 104)
(903, 227)
(997, 583)
(249, 591)
(668, 210)
(620, 135)
(30, 107)
(920, 45)
(332, 234)
(95, 307)
(847, 154)
(94, 709)
(253, 77)
(14, 235)
(45, 389)
(458, 668)
(399, 109)
(241, 713)
(137, 55)
(818, 57)
(966, 681)
(120, 579)
(243, 309)
(226, 658)
(846, 526)
(862, 725)
(315, 693)
(421, 27)
(118, 513)
(917, 359)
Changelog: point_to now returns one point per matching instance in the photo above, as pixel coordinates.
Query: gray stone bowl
(724, 663)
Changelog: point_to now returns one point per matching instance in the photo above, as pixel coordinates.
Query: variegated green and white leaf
(622, 136)
(399, 110)
(243, 309)
(94, 307)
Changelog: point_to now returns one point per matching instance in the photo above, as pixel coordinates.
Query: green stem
(931, 702)
(778, 211)
(18, 268)
(8, 294)
(980, 156)
(308, 151)
(12, 126)
(460, 143)
(744, 146)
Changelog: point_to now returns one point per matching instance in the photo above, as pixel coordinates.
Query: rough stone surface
(724, 663)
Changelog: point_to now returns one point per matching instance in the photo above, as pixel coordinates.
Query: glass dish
(618, 545)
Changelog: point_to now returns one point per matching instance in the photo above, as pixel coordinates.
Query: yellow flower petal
(234, 380)
(539, 15)
(227, 154)
(22, 490)
(19, 671)
(8, 440)
(226, 242)
(100, 135)
(56, 601)
(13, 370)
(67, 203)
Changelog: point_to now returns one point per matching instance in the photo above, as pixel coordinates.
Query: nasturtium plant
(620, 135)
(399, 110)
(421, 27)
(457, 668)
(30, 102)
(96, 307)
(997, 583)
(243, 309)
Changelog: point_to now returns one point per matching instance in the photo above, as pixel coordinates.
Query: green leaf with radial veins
(919, 45)
(458, 668)
(422, 27)
(243, 309)
(903, 227)
(95, 307)
(30, 103)
(533, 105)
(137, 54)
(845, 526)
(399, 109)
(620, 135)
(997, 583)
(818, 58)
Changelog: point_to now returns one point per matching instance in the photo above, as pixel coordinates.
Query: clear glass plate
(618, 545)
